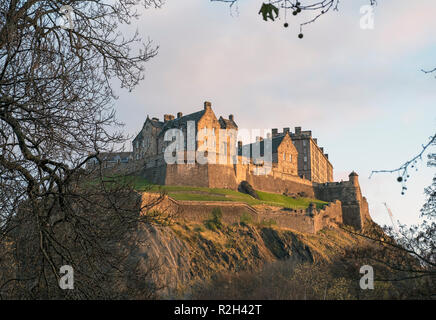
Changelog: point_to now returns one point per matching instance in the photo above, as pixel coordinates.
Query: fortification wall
(222, 176)
(200, 211)
(329, 216)
(226, 176)
(299, 222)
(354, 206)
(271, 183)
(187, 175)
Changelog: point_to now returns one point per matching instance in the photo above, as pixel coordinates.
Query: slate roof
(155, 123)
(227, 123)
(276, 141)
(180, 122)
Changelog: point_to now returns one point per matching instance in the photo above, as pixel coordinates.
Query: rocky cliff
(190, 252)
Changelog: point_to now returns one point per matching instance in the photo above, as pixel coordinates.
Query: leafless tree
(316, 9)
(408, 255)
(58, 60)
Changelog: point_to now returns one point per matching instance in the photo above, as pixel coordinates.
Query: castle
(298, 166)
(296, 154)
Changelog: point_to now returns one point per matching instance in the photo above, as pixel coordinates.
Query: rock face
(188, 252)
(245, 187)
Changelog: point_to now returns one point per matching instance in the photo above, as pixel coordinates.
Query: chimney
(297, 130)
(315, 140)
(231, 117)
(168, 117)
(207, 105)
(179, 114)
(285, 130)
(322, 150)
(327, 155)
(258, 139)
(275, 132)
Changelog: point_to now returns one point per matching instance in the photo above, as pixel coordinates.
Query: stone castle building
(298, 165)
(296, 154)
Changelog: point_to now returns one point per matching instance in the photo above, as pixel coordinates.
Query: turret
(353, 177)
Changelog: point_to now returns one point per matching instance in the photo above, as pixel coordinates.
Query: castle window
(304, 142)
(305, 158)
(284, 156)
(290, 158)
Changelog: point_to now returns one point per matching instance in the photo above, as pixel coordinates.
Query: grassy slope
(215, 194)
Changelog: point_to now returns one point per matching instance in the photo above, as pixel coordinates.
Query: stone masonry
(299, 166)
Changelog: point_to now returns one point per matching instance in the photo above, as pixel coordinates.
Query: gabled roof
(153, 122)
(275, 143)
(227, 123)
(179, 122)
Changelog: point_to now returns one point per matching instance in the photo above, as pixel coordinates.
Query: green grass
(216, 194)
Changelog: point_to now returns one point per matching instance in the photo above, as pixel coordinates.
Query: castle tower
(353, 177)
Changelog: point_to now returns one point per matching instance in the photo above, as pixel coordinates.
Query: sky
(361, 92)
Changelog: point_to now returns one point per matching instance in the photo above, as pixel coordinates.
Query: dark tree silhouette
(57, 61)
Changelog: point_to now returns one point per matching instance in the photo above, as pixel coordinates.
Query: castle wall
(353, 209)
(329, 216)
(187, 175)
(298, 222)
(278, 182)
(201, 211)
(222, 176)
(303, 221)
(354, 206)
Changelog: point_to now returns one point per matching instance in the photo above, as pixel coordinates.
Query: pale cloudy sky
(361, 92)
